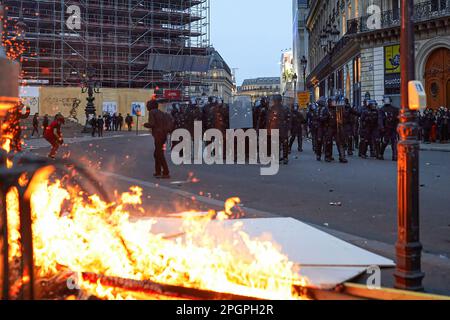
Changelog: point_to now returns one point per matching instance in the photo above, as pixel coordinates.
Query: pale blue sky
(250, 34)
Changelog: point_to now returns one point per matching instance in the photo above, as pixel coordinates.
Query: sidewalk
(435, 147)
(39, 143)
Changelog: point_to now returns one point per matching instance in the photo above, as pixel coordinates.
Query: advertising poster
(392, 69)
(110, 107)
(138, 109)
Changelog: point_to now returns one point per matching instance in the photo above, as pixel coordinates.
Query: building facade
(355, 51)
(220, 80)
(259, 87)
(301, 41)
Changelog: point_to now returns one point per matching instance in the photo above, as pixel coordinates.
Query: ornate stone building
(354, 49)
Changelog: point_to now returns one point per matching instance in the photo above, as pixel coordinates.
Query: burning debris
(74, 233)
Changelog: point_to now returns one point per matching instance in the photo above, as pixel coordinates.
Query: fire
(84, 234)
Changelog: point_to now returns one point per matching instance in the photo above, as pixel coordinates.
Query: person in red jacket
(54, 136)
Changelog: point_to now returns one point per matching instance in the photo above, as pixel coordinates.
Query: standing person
(107, 120)
(296, 128)
(334, 133)
(321, 116)
(35, 125)
(428, 120)
(120, 122)
(114, 122)
(278, 118)
(312, 120)
(45, 122)
(370, 129)
(158, 123)
(350, 115)
(129, 122)
(54, 135)
(442, 121)
(262, 116)
(93, 123)
(390, 120)
(100, 126)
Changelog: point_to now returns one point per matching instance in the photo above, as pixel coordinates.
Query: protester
(35, 125)
(159, 123)
(54, 135)
(129, 122)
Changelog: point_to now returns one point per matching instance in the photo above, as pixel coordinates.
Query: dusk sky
(250, 35)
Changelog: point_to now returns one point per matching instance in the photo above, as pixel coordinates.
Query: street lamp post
(91, 87)
(295, 78)
(408, 274)
(304, 63)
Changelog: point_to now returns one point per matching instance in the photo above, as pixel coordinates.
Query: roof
(262, 81)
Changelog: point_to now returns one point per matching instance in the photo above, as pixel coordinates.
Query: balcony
(423, 11)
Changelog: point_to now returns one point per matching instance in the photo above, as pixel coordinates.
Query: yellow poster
(392, 59)
(303, 99)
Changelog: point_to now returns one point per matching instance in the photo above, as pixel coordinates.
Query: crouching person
(54, 135)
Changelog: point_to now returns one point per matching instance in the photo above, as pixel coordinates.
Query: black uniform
(100, 126)
(370, 132)
(427, 121)
(321, 118)
(350, 118)
(390, 121)
(297, 122)
(443, 124)
(129, 121)
(334, 134)
(278, 118)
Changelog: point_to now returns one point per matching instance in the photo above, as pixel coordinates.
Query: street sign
(241, 113)
(303, 99)
(174, 95)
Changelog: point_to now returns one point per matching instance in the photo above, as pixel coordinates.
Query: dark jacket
(278, 117)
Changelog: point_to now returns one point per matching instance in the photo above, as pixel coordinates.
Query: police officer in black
(390, 121)
(312, 120)
(321, 118)
(262, 115)
(370, 130)
(350, 116)
(297, 122)
(278, 118)
(334, 133)
(427, 121)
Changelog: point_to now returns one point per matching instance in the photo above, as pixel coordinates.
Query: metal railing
(423, 11)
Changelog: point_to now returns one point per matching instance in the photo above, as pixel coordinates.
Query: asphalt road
(305, 190)
(363, 192)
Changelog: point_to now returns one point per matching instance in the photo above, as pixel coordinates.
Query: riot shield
(241, 113)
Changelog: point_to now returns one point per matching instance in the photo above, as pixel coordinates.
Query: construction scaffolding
(111, 39)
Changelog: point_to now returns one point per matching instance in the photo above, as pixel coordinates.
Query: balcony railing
(388, 19)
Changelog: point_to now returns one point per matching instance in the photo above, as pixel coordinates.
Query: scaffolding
(113, 39)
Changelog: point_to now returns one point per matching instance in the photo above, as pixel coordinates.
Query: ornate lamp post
(294, 79)
(304, 63)
(408, 274)
(90, 86)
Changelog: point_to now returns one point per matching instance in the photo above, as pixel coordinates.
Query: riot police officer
(313, 123)
(390, 121)
(320, 118)
(278, 118)
(334, 132)
(427, 121)
(370, 132)
(297, 121)
(350, 118)
(262, 116)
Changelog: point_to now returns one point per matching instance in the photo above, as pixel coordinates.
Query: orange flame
(90, 235)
